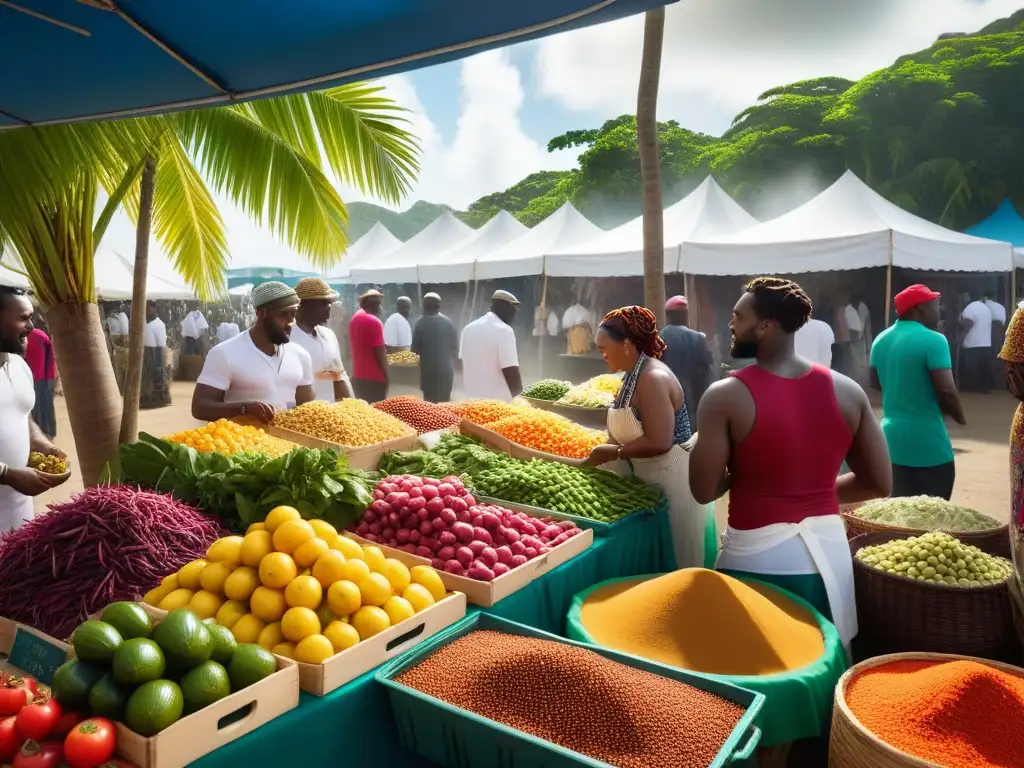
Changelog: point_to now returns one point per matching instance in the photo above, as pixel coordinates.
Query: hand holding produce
(229, 438)
(350, 422)
(547, 389)
(937, 558)
(927, 513)
(418, 414)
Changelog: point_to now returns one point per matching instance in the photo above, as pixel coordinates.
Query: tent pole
(544, 325)
(888, 283)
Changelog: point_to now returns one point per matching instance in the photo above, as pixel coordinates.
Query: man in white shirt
(490, 363)
(156, 390)
(397, 331)
(330, 382)
(857, 358)
(227, 331)
(577, 314)
(998, 334)
(976, 346)
(813, 341)
(258, 371)
(19, 434)
(193, 328)
(117, 324)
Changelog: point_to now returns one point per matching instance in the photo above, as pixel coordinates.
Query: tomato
(90, 743)
(10, 741)
(35, 755)
(15, 693)
(68, 720)
(38, 719)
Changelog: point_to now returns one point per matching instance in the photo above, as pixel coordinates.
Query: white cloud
(720, 54)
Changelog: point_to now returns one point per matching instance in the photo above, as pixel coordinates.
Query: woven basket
(851, 745)
(995, 541)
(897, 614)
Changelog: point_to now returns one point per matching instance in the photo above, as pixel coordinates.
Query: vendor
(193, 331)
(397, 331)
(258, 371)
(156, 390)
(649, 424)
(435, 340)
(331, 383)
(775, 435)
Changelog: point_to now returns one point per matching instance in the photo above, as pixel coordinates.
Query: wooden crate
(365, 457)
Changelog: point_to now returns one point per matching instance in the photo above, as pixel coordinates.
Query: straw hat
(314, 288)
(504, 296)
(373, 293)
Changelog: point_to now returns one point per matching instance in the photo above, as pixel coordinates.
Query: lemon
(419, 597)
(241, 583)
(324, 530)
(374, 558)
(290, 535)
(344, 597)
(348, 548)
(429, 578)
(256, 546)
(314, 649)
(188, 576)
(396, 572)
(355, 570)
(304, 592)
(255, 527)
(270, 636)
(159, 592)
(247, 629)
(398, 609)
(213, 577)
(226, 550)
(374, 589)
(178, 598)
(269, 604)
(170, 581)
(277, 570)
(231, 612)
(299, 623)
(342, 636)
(328, 567)
(284, 649)
(205, 604)
(279, 515)
(309, 551)
(369, 621)
(325, 614)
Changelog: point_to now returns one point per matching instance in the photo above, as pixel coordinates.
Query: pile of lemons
(298, 588)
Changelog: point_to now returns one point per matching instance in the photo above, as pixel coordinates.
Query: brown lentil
(579, 700)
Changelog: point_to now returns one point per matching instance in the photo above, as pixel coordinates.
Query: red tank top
(785, 469)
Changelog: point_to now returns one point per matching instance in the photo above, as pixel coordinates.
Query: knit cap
(273, 295)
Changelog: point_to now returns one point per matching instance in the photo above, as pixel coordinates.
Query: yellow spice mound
(704, 621)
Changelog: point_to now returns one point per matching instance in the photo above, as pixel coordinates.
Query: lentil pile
(958, 714)
(624, 716)
(704, 621)
(486, 411)
(418, 414)
(549, 433)
(228, 438)
(351, 422)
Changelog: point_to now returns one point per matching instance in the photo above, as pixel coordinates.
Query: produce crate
(600, 528)
(365, 457)
(484, 593)
(321, 679)
(496, 442)
(454, 737)
(594, 418)
(405, 374)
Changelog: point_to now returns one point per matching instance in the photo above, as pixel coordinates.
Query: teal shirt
(912, 423)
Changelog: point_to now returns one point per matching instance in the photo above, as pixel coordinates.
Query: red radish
(410, 548)
(376, 528)
(504, 555)
(530, 553)
(422, 551)
(480, 572)
(573, 532)
(541, 551)
(380, 507)
(463, 531)
(405, 486)
(362, 529)
(446, 489)
(439, 525)
(476, 547)
(511, 534)
(446, 553)
(552, 531)
(392, 500)
(388, 533)
(370, 537)
(402, 536)
(379, 495)
(514, 523)
(518, 560)
(414, 535)
(470, 501)
(500, 569)
(434, 506)
(465, 517)
(478, 519)
(437, 564)
(559, 539)
(394, 520)
(426, 529)
(422, 515)
(416, 503)
(517, 547)
(488, 557)
(449, 516)
(448, 538)
(454, 567)
(458, 504)
(465, 556)
(429, 491)
(481, 534)
(490, 521)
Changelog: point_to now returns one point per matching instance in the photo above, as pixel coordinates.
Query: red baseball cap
(913, 296)
(677, 302)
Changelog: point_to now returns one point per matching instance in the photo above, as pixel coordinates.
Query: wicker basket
(851, 745)
(995, 541)
(897, 614)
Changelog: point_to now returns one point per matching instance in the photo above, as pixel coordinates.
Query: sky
(484, 122)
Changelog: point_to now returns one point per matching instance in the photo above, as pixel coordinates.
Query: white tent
(376, 243)
(848, 226)
(162, 281)
(401, 264)
(1018, 258)
(706, 212)
(455, 265)
(9, 276)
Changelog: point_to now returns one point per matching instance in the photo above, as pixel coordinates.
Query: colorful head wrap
(640, 326)
(1013, 345)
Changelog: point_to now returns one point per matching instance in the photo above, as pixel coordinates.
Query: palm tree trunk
(650, 162)
(133, 377)
(80, 349)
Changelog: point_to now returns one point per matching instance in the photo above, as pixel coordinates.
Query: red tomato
(35, 755)
(10, 741)
(15, 693)
(90, 743)
(39, 719)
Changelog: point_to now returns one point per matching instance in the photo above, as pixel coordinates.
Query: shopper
(369, 353)
(227, 330)
(330, 381)
(490, 361)
(911, 365)
(434, 339)
(39, 356)
(258, 371)
(397, 331)
(156, 390)
(775, 435)
(686, 354)
(813, 341)
(976, 346)
(193, 331)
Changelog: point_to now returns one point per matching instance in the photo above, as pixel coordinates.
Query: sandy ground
(981, 464)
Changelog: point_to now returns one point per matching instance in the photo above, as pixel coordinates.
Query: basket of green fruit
(52, 464)
(931, 593)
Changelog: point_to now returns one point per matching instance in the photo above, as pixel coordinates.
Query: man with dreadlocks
(775, 435)
(649, 425)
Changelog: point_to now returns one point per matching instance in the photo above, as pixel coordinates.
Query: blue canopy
(66, 60)
(1005, 224)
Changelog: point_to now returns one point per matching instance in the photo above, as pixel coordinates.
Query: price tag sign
(35, 655)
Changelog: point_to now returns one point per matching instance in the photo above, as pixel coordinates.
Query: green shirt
(903, 356)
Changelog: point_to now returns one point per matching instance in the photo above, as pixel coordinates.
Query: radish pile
(441, 521)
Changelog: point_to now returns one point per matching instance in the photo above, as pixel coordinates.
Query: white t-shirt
(397, 332)
(577, 314)
(980, 334)
(245, 374)
(551, 324)
(227, 331)
(325, 353)
(155, 333)
(814, 342)
(117, 324)
(17, 399)
(998, 311)
(488, 346)
(852, 317)
(193, 325)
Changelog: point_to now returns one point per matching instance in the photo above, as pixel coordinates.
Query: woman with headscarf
(649, 426)
(1012, 355)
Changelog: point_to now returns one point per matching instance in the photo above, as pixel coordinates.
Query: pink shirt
(39, 356)
(365, 333)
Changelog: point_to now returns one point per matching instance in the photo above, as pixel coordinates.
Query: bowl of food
(51, 464)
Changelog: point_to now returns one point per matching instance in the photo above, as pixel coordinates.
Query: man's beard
(276, 335)
(13, 345)
(743, 350)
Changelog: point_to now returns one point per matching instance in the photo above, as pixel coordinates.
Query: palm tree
(269, 158)
(650, 162)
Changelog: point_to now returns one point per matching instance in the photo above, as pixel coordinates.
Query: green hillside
(403, 225)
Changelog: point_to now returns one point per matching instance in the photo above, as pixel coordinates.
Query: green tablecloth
(353, 725)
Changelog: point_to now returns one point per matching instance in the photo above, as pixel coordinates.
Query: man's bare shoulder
(850, 395)
(726, 391)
